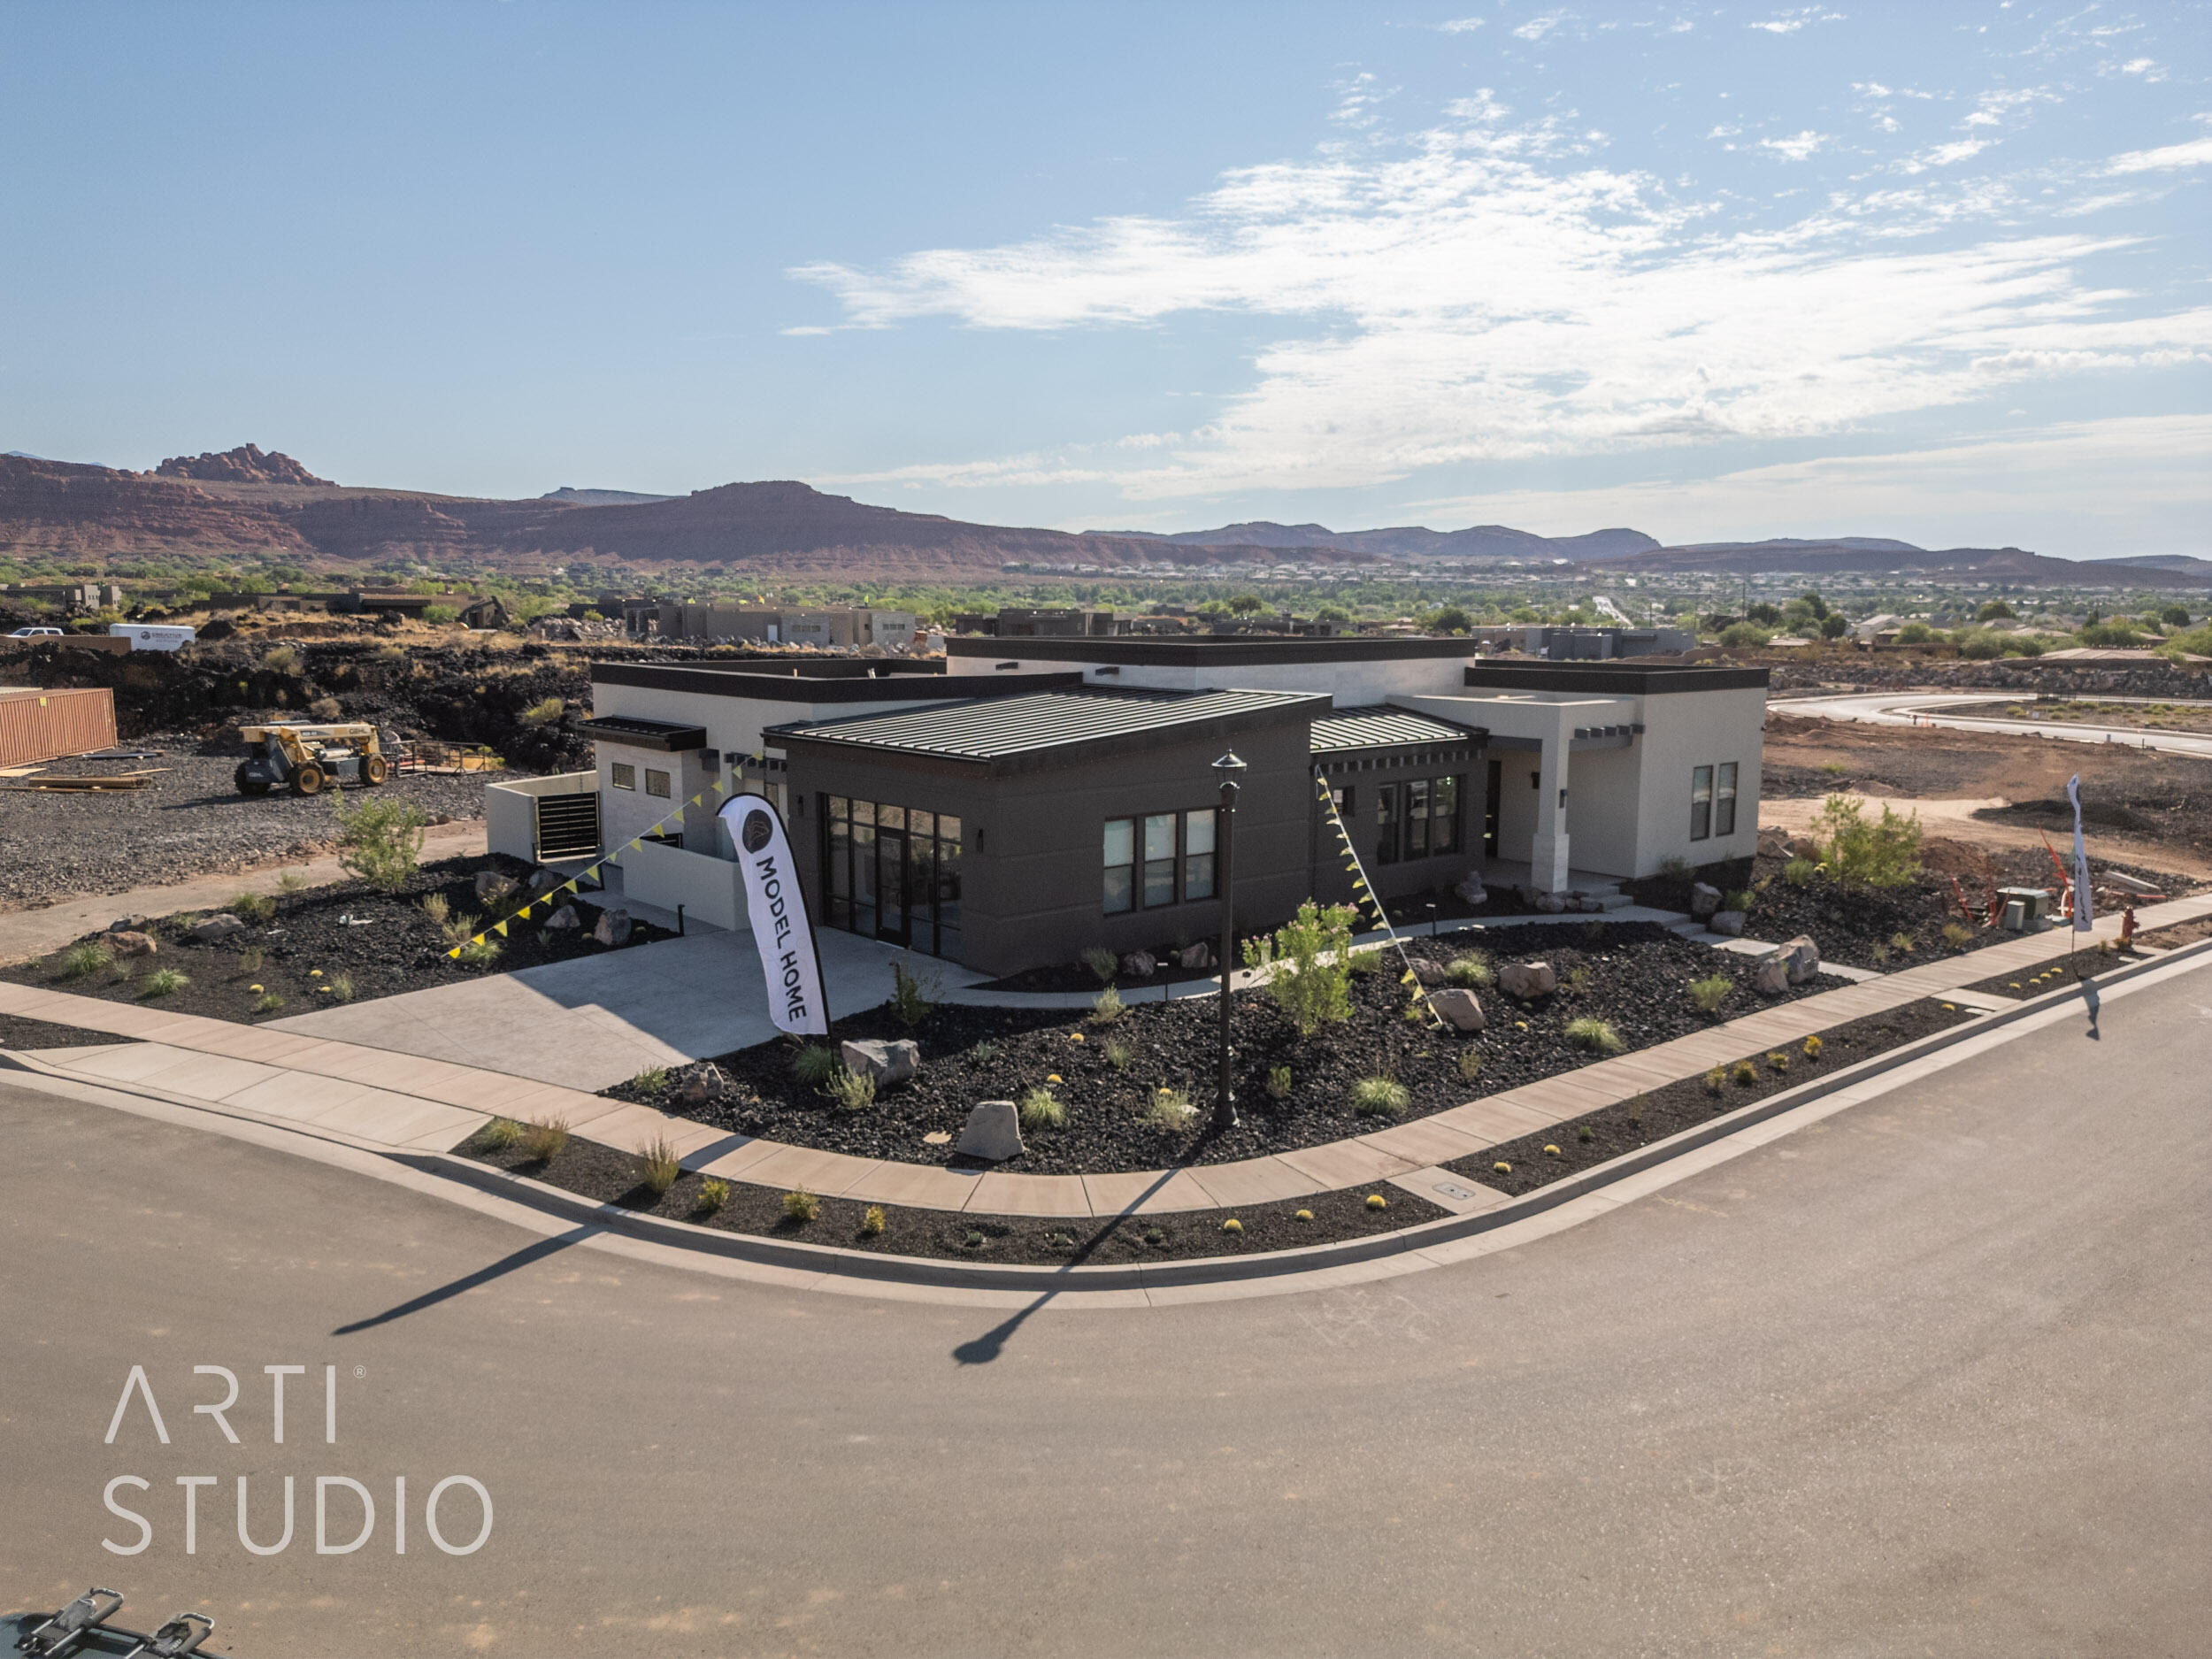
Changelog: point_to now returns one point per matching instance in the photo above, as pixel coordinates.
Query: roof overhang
(634, 733)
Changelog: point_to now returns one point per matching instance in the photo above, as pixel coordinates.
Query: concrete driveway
(599, 1019)
(1956, 710)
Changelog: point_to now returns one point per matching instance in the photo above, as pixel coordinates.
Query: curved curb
(865, 1266)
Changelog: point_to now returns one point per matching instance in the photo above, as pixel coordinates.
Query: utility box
(2026, 909)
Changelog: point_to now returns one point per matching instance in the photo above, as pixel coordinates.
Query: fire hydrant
(2127, 925)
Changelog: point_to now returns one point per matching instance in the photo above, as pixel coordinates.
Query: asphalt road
(1929, 1376)
(1953, 709)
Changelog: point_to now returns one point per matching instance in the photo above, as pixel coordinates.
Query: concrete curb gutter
(900, 1270)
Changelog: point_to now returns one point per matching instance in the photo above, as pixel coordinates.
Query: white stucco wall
(1686, 729)
(1351, 684)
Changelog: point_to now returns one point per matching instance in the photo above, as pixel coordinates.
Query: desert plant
(1596, 1035)
(253, 907)
(1116, 1052)
(326, 709)
(1585, 1134)
(1470, 969)
(1883, 854)
(478, 953)
(912, 994)
(1799, 872)
(984, 1052)
(292, 881)
(1312, 959)
(1551, 1152)
(1956, 936)
(1169, 1111)
(851, 1091)
(659, 1165)
(249, 959)
(282, 659)
(1741, 899)
(437, 907)
(79, 960)
(163, 982)
(1812, 1048)
(1676, 867)
(1708, 993)
(458, 930)
(1902, 943)
(801, 1206)
(713, 1193)
(1779, 1061)
(1745, 1073)
(501, 1134)
(1715, 1077)
(1102, 963)
(1108, 1008)
(1376, 1201)
(543, 713)
(546, 1141)
(1580, 980)
(341, 986)
(1833, 768)
(1380, 1097)
(268, 1004)
(873, 1222)
(1277, 1082)
(650, 1081)
(1232, 1225)
(1469, 1064)
(1040, 1109)
(816, 1063)
(381, 840)
(1367, 962)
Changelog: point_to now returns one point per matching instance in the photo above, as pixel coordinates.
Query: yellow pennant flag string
(1359, 882)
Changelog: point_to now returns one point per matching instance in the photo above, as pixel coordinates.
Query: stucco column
(1547, 848)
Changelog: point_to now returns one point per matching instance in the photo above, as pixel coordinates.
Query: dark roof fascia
(1207, 651)
(1622, 679)
(644, 733)
(724, 682)
(1457, 732)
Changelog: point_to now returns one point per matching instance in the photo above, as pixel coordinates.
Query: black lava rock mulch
(2056, 975)
(1585, 1143)
(18, 1033)
(606, 1176)
(382, 943)
(1636, 973)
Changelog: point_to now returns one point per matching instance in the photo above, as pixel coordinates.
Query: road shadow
(500, 1269)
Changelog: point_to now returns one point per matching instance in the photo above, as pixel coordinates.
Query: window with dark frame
(622, 775)
(892, 872)
(656, 783)
(1387, 815)
(1701, 803)
(1724, 800)
(1160, 859)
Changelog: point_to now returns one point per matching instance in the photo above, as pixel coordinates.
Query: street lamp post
(1227, 769)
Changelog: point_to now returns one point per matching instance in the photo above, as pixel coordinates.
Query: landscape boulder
(132, 943)
(1472, 890)
(1140, 964)
(885, 1062)
(614, 927)
(1802, 847)
(1728, 922)
(994, 1131)
(1551, 903)
(1527, 980)
(217, 927)
(563, 920)
(1803, 957)
(1425, 970)
(491, 886)
(703, 1085)
(128, 925)
(1772, 976)
(1460, 1008)
(1703, 899)
(1197, 956)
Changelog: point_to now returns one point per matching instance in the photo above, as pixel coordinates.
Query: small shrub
(1812, 1048)
(1154, 1236)
(341, 986)
(1596, 1035)
(1232, 1225)
(544, 713)
(1277, 1082)
(1901, 943)
(545, 1142)
(253, 907)
(437, 907)
(1380, 1097)
(713, 1193)
(1580, 981)
(1585, 1134)
(1745, 1073)
(1117, 1051)
(873, 1222)
(1956, 936)
(1593, 932)
(79, 960)
(381, 840)
(650, 1081)
(1040, 1108)
(1108, 1008)
(326, 709)
(1170, 1112)
(292, 881)
(1833, 768)
(659, 1165)
(1312, 959)
(1880, 953)
(249, 960)
(802, 1206)
(479, 953)
(1741, 899)
(816, 1063)
(984, 1052)
(1779, 1061)
(1715, 1079)
(1883, 854)
(1367, 962)
(501, 1134)
(460, 929)
(1501, 1168)
(1471, 970)
(1799, 872)
(1376, 1201)
(1102, 963)
(912, 994)
(268, 1004)
(282, 660)
(1676, 868)
(974, 1241)
(1552, 1152)
(1469, 1064)
(163, 982)
(1304, 1215)
(1708, 993)
(851, 1091)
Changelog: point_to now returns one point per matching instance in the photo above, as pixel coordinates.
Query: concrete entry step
(1615, 900)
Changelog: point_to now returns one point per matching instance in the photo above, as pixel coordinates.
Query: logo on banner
(759, 828)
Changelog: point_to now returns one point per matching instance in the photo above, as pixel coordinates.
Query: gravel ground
(189, 821)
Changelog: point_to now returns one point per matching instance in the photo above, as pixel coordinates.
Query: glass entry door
(891, 886)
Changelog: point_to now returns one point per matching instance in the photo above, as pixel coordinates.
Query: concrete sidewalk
(373, 1097)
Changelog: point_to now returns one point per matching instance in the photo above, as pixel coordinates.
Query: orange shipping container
(37, 725)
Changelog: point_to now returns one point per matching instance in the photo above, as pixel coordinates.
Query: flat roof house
(1045, 794)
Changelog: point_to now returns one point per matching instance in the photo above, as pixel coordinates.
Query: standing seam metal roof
(989, 729)
(1378, 726)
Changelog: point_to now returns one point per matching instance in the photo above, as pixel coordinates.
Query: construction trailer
(37, 725)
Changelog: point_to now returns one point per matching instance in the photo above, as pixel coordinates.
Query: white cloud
(1944, 155)
(1460, 26)
(1537, 28)
(1478, 294)
(1790, 22)
(1361, 99)
(1795, 148)
(2196, 151)
(2146, 67)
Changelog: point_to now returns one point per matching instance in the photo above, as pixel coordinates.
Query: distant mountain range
(248, 498)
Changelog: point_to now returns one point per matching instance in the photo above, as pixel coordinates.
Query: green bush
(2108, 636)
(1380, 1097)
(851, 1091)
(1595, 1035)
(1741, 899)
(381, 840)
(163, 982)
(282, 659)
(1108, 1008)
(478, 953)
(269, 1003)
(650, 1081)
(1040, 1108)
(1102, 963)
(438, 616)
(1170, 1112)
(912, 994)
(1883, 854)
(542, 1142)
(1472, 970)
(713, 1193)
(1994, 610)
(253, 907)
(1711, 992)
(1799, 872)
(1277, 1082)
(816, 1063)
(544, 713)
(79, 960)
(801, 1206)
(1469, 1064)
(873, 1222)
(1915, 634)
(1744, 635)
(1675, 867)
(659, 1165)
(1312, 959)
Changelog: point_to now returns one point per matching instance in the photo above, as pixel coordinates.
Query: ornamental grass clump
(1708, 993)
(1311, 959)
(650, 1081)
(1108, 1006)
(1579, 981)
(163, 982)
(253, 907)
(850, 1091)
(1115, 1051)
(816, 1063)
(501, 1134)
(1380, 1097)
(1040, 1108)
(268, 1004)
(478, 953)
(79, 960)
(1471, 970)
(543, 1142)
(1779, 1061)
(1469, 1064)
(1169, 1110)
(912, 994)
(1715, 1079)
(436, 906)
(1102, 963)
(1597, 1036)
(1812, 1048)
(342, 987)
(1277, 1082)
(1956, 936)
(659, 1165)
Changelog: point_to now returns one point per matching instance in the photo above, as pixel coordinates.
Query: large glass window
(1159, 859)
(892, 872)
(1389, 812)
(1418, 819)
(1724, 801)
(1121, 857)
(1444, 815)
(1143, 859)
(1198, 853)
(1701, 803)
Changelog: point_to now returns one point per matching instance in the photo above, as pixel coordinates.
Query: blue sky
(1932, 271)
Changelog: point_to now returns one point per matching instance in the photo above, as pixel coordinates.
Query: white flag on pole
(2081, 859)
(782, 931)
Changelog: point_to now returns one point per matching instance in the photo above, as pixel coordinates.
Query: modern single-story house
(1028, 799)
